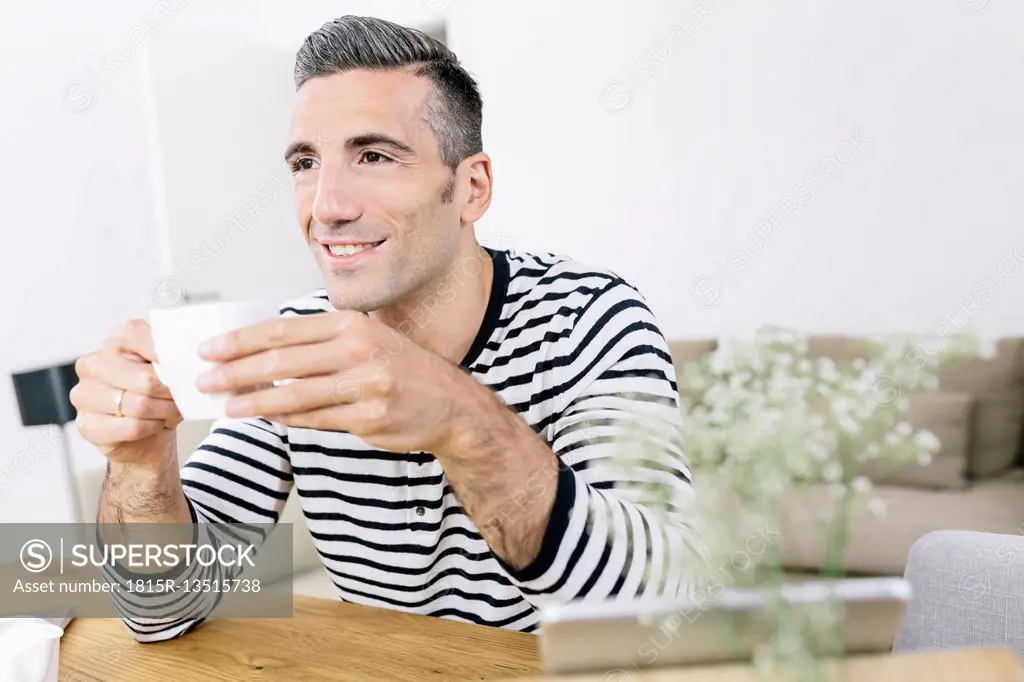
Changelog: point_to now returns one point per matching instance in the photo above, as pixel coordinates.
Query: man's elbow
(146, 633)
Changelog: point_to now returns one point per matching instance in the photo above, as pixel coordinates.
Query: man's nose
(335, 200)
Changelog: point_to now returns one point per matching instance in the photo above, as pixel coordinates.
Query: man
(452, 432)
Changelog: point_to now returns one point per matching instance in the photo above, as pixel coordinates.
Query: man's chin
(358, 296)
(345, 301)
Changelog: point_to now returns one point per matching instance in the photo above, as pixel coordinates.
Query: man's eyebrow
(364, 140)
(370, 139)
(300, 147)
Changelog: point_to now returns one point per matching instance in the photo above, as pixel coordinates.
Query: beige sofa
(975, 482)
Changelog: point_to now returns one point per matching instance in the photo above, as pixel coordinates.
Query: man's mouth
(351, 249)
(349, 254)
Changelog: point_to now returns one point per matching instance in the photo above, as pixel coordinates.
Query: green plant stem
(838, 536)
(838, 539)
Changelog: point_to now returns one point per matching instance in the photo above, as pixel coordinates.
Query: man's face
(369, 180)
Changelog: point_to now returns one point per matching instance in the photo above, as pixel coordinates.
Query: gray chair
(968, 591)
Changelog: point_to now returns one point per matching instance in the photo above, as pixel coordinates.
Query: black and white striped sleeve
(240, 474)
(619, 526)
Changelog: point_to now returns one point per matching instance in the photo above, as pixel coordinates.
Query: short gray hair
(454, 111)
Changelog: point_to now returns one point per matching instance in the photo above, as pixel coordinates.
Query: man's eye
(375, 157)
(303, 163)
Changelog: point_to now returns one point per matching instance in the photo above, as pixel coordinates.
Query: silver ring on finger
(119, 402)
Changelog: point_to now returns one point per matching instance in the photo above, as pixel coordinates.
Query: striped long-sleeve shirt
(576, 353)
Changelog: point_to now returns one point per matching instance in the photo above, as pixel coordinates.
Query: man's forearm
(135, 493)
(504, 475)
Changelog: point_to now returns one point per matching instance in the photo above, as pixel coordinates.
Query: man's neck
(444, 317)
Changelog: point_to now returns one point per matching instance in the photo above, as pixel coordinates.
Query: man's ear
(475, 174)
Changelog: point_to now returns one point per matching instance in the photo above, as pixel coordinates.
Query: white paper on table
(29, 650)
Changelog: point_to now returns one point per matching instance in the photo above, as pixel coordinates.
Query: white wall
(75, 213)
(80, 254)
(660, 170)
(221, 109)
(82, 249)
(289, 22)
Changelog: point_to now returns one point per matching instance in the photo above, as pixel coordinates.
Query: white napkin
(29, 650)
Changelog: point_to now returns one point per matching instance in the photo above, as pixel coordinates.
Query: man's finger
(334, 418)
(133, 338)
(276, 333)
(305, 395)
(120, 372)
(265, 367)
(106, 430)
(91, 396)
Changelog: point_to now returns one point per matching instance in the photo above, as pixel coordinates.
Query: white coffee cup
(29, 650)
(177, 335)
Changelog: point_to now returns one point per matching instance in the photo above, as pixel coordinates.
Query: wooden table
(332, 641)
(324, 640)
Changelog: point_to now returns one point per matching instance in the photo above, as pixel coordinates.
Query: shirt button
(420, 511)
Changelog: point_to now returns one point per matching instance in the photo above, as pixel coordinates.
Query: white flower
(720, 361)
(871, 451)
(832, 472)
(861, 484)
(837, 489)
(818, 451)
(841, 404)
(903, 429)
(927, 440)
(848, 424)
(987, 348)
(827, 369)
(924, 458)
(940, 343)
(877, 506)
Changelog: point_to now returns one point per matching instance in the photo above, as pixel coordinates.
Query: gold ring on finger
(119, 402)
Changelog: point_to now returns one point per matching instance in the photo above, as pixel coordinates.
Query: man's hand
(130, 416)
(358, 375)
(351, 374)
(120, 374)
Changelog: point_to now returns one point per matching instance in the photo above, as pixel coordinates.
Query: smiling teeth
(349, 249)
